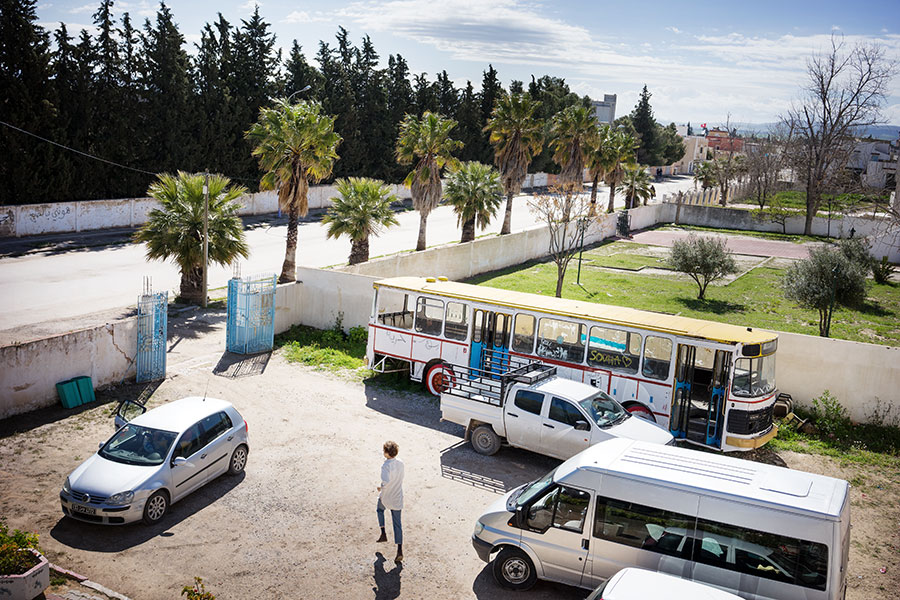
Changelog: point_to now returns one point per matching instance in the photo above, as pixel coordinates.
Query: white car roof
(711, 474)
(180, 414)
(566, 388)
(640, 584)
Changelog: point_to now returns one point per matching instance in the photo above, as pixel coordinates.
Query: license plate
(84, 509)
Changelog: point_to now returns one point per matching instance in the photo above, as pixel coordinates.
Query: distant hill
(878, 132)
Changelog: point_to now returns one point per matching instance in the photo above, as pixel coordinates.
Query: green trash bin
(68, 393)
(85, 389)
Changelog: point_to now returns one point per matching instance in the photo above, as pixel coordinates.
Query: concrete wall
(858, 375)
(29, 372)
(325, 295)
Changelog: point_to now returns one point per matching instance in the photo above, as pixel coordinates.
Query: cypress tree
(468, 115)
(375, 137)
(491, 89)
(399, 104)
(447, 95)
(645, 125)
(425, 97)
(300, 74)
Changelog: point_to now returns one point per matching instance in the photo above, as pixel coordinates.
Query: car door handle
(202, 456)
(585, 544)
(550, 426)
(230, 437)
(513, 415)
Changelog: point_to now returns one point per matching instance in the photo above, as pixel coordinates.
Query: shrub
(197, 591)
(857, 252)
(830, 416)
(359, 335)
(705, 259)
(882, 271)
(14, 556)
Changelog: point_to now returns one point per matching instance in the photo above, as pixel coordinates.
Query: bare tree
(567, 216)
(844, 93)
(727, 165)
(764, 163)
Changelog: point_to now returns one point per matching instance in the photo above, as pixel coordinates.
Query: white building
(605, 110)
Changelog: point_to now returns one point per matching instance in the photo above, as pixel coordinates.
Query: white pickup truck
(531, 407)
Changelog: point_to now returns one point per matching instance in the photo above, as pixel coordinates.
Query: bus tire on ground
(639, 410)
(439, 378)
(485, 440)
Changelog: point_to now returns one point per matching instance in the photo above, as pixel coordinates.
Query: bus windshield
(754, 376)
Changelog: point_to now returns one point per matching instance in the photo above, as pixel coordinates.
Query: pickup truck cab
(531, 407)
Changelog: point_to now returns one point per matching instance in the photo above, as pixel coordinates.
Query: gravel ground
(300, 522)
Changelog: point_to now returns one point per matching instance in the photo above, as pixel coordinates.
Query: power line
(98, 158)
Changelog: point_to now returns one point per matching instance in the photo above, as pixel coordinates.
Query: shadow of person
(387, 583)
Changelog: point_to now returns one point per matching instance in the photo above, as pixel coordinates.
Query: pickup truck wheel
(638, 410)
(439, 378)
(514, 570)
(485, 440)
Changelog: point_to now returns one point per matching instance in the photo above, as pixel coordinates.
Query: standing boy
(391, 496)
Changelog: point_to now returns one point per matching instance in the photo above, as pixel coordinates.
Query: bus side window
(657, 357)
(561, 340)
(456, 325)
(429, 316)
(523, 334)
(614, 349)
(393, 309)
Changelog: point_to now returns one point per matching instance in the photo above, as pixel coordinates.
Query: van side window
(643, 527)
(561, 507)
(766, 555)
(529, 401)
(523, 334)
(565, 412)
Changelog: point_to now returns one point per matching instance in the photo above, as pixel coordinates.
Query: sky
(703, 61)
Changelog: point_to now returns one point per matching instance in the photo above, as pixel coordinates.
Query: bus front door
(716, 411)
(681, 399)
(490, 341)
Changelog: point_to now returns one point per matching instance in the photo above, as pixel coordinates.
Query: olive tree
(705, 259)
(829, 276)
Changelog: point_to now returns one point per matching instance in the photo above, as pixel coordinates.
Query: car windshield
(136, 445)
(533, 489)
(604, 409)
(754, 376)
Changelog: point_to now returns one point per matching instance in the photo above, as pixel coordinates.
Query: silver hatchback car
(156, 459)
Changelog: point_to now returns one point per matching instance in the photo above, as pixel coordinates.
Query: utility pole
(205, 235)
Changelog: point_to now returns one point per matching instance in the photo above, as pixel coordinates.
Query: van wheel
(439, 378)
(514, 570)
(485, 440)
(639, 410)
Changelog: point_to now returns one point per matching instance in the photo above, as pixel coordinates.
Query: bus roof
(613, 315)
(705, 473)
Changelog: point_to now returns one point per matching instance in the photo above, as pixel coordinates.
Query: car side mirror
(101, 445)
(178, 461)
(521, 517)
(582, 426)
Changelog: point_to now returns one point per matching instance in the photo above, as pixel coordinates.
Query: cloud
(835, 28)
(301, 16)
(674, 30)
(250, 5)
(85, 8)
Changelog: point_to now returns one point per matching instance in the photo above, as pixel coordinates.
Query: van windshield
(533, 489)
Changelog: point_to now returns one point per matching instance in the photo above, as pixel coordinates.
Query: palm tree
(176, 229)
(517, 136)
(363, 209)
(636, 185)
(619, 152)
(595, 157)
(426, 141)
(296, 145)
(572, 131)
(705, 175)
(475, 193)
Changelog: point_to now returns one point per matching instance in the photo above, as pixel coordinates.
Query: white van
(760, 531)
(640, 584)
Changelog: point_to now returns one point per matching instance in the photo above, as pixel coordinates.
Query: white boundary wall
(29, 372)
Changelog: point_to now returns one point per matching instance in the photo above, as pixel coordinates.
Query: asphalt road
(100, 274)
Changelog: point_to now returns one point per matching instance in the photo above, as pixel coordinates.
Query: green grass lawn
(753, 300)
(766, 235)
(622, 256)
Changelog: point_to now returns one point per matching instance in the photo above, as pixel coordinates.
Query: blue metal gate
(251, 314)
(153, 321)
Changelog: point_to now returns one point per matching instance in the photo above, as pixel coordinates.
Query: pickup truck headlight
(121, 498)
(479, 527)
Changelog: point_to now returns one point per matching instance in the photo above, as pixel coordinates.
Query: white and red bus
(712, 384)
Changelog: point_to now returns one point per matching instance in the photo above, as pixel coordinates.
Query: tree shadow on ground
(874, 309)
(387, 583)
(708, 305)
(138, 392)
(193, 325)
(103, 538)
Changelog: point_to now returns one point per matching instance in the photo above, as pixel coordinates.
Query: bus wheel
(439, 378)
(639, 410)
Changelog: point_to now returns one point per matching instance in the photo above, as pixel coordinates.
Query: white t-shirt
(392, 484)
